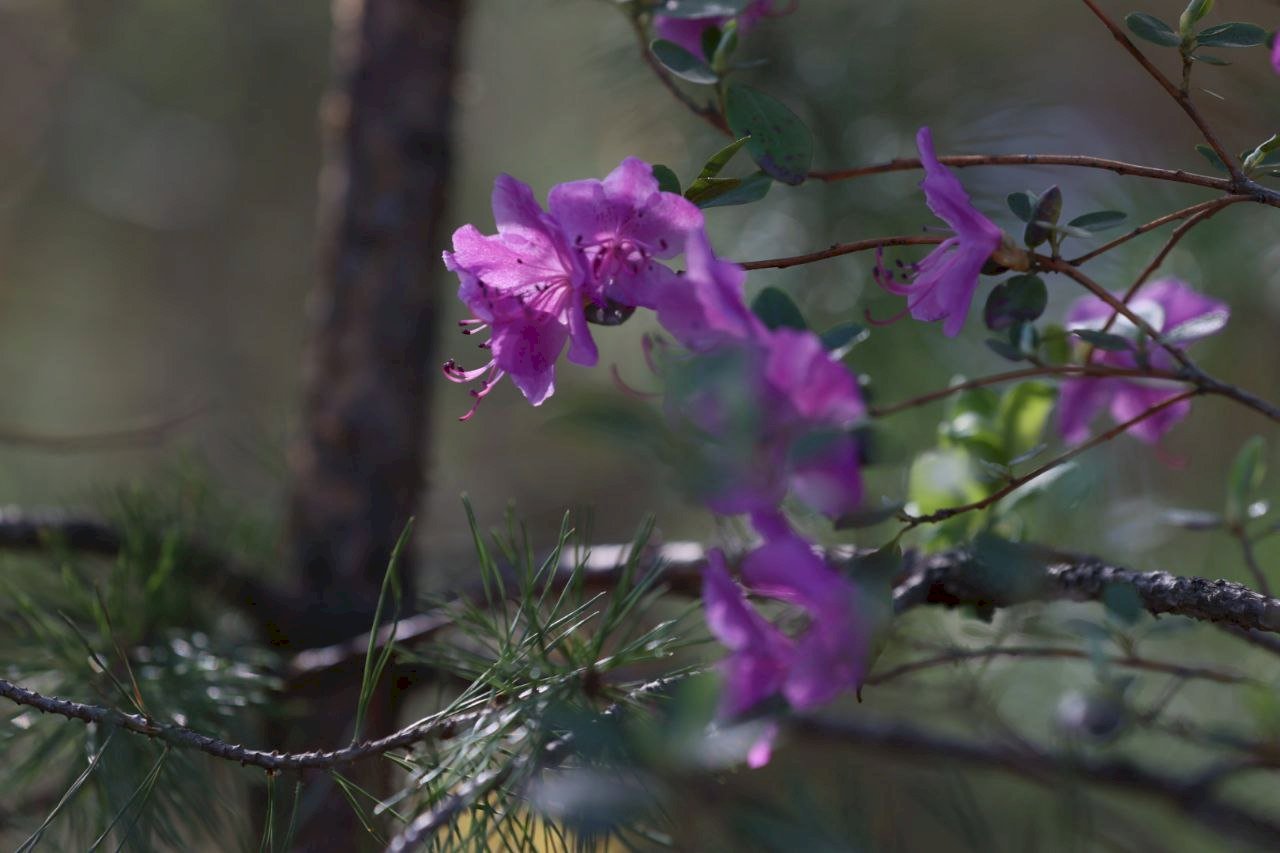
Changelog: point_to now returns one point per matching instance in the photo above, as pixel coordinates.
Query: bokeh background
(158, 164)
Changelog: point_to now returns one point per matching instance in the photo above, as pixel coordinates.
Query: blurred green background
(157, 195)
(158, 164)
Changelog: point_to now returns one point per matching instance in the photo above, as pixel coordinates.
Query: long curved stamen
(454, 373)
(866, 315)
(630, 391)
(483, 391)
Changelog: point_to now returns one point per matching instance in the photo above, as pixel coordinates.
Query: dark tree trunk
(358, 462)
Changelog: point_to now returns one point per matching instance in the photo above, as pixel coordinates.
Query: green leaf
(751, 188)
(715, 165)
(1099, 220)
(701, 8)
(668, 180)
(724, 48)
(1024, 412)
(1245, 478)
(777, 310)
(779, 142)
(1123, 602)
(1152, 29)
(1022, 204)
(1055, 345)
(1207, 59)
(710, 41)
(723, 192)
(839, 340)
(1191, 16)
(1199, 327)
(1020, 299)
(682, 63)
(1233, 34)
(1004, 349)
(1103, 340)
(1212, 156)
(1044, 216)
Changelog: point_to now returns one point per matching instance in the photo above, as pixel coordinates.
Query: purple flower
(526, 285)
(687, 32)
(825, 658)
(618, 226)
(1181, 316)
(764, 415)
(1275, 54)
(941, 286)
(704, 307)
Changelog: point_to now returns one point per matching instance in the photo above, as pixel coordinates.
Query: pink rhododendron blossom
(619, 226)
(767, 414)
(941, 286)
(687, 32)
(1275, 55)
(825, 658)
(1182, 316)
(705, 307)
(525, 285)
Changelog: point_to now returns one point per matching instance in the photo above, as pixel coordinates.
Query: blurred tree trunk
(358, 462)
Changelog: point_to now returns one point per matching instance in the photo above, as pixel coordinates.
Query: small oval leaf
(682, 63)
(1152, 29)
(779, 142)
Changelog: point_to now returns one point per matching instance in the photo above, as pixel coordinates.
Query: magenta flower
(1275, 54)
(825, 658)
(618, 226)
(941, 286)
(765, 415)
(704, 307)
(526, 286)
(687, 32)
(1182, 317)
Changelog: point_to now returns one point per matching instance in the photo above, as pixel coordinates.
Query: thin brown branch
(965, 161)
(127, 438)
(1018, 482)
(1197, 212)
(1194, 797)
(436, 727)
(1013, 376)
(839, 249)
(1180, 96)
(707, 113)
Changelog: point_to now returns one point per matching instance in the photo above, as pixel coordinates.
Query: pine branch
(952, 578)
(35, 529)
(430, 728)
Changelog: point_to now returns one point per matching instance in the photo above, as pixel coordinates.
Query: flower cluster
(766, 413)
(1181, 316)
(535, 282)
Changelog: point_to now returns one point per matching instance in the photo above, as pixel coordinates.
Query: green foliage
(137, 632)
(778, 140)
(682, 63)
(1152, 29)
(777, 310)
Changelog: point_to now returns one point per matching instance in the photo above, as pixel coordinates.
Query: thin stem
(1180, 97)
(1018, 482)
(1251, 559)
(705, 112)
(838, 249)
(964, 161)
(1015, 375)
(1196, 210)
(1060, 266)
